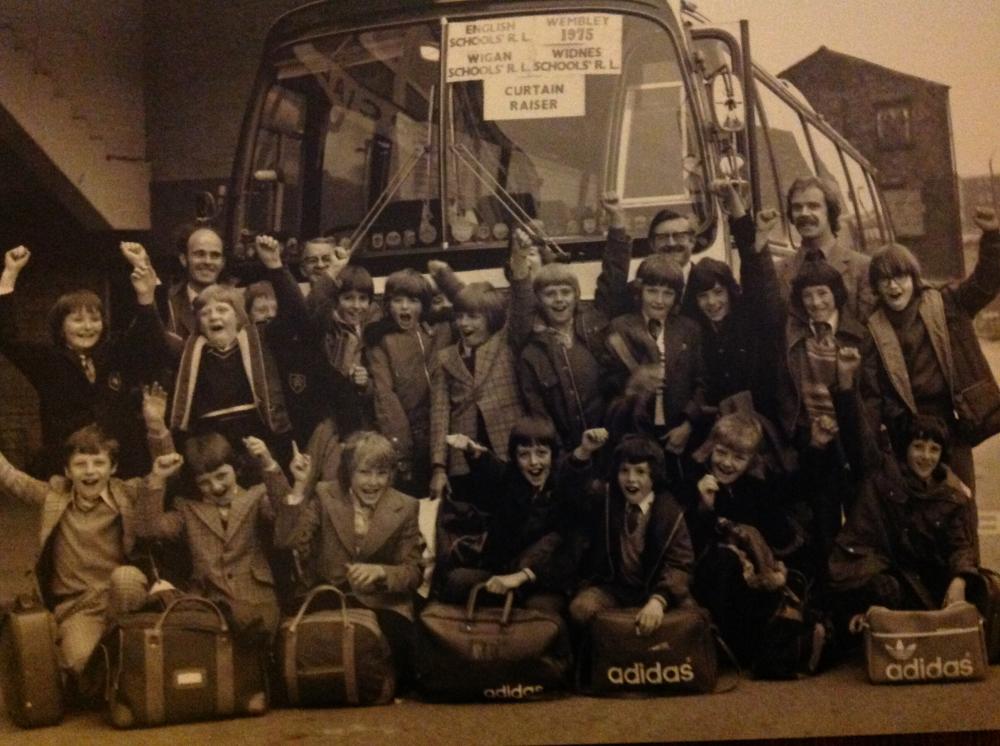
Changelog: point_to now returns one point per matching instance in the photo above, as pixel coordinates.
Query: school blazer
(321, 530)
(457, 396)
(229, 562)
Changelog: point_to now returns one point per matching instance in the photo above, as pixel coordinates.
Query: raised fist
(15, 259)
(708, 488)
(848, 362)
(167, 465)
(613, 208)
(269, 251)
(766, 222)
(154, 403)
(134, 253)
(258, 449)
(593, 440)
(986, 219)
(300, 465)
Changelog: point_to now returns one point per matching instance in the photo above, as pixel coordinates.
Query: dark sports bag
(334, 657)
(984, 592)
(679, 657)
(488, 653)
(29, 665)
(180, 665)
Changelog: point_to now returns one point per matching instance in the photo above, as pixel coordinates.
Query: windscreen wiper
(486, 178)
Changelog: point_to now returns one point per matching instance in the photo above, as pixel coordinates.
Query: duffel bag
(678, 657)
(180, 665)
(29, 665)
(984, 592)
(488, 653)
(909, 647)
(334, 657)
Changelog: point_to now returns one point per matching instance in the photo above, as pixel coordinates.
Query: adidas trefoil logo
(899, 651)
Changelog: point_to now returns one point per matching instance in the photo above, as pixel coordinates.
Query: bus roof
(335, 13)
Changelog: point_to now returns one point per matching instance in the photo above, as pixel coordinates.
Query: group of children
(684, 439)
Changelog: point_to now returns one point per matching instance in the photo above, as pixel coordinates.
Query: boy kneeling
(87, 536)
(640, 553)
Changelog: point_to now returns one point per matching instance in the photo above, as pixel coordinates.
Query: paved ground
(839, 702)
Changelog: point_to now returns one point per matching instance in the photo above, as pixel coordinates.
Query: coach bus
(411, 130)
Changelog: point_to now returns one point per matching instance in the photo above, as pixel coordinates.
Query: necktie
(815, 255)
(632, 518)
(655, 327)
(87, 363)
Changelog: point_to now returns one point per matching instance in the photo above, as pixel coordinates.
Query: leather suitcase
(488, 654)
(181, 665)
(29, 665)
(984, 592)
(334, 657)
(678, 657)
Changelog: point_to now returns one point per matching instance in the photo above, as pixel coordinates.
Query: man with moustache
(814, 209)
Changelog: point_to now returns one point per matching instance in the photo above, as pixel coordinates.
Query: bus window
(829, 166)
(789, 145)
(370, 131)
(770, 189)
(871, 225)
(274, 201)
(629, 128)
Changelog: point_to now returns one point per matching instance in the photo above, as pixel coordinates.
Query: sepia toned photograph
(507, 372)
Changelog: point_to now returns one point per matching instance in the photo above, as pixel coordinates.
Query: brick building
(902, 124)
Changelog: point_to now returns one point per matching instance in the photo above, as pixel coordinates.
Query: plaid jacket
(457, 398)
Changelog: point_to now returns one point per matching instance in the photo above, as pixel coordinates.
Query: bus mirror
(206, 209)
(728, 102)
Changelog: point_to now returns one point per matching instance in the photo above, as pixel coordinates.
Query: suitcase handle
(223, 626)
(318, 590)
(470, 607)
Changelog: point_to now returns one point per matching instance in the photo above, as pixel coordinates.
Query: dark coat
(793, 418)
(761, 503)
(600, 516)
(919, 533)
(947, 313)
(543, 369)
(524, 530)
(628, 345)
(742, 352)
(68, 401)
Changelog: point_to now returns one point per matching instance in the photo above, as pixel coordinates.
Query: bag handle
(311, 596)
(470, 607)
(197, 600)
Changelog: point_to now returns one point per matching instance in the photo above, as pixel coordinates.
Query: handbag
(978, 409)
(488, 653)
(334, 657)
(678, 657)
(180, 665)
(908, 647)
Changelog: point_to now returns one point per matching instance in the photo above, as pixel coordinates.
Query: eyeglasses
(672, 236)
(312, 261)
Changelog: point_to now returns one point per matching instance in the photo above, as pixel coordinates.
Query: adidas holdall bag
(334, 656)
(911, 647)
(488, 653)
(678, 657)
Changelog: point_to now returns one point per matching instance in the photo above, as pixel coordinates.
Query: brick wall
(849, 91)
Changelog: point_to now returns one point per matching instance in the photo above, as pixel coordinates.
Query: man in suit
(203, 260)
(814, 208)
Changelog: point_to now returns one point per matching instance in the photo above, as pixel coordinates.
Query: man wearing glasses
(671, 233)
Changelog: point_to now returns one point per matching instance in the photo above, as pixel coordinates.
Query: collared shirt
(88, 544)
(633, 544)
(833, 321)
(191, 293)
(86, 505)
(362, 520)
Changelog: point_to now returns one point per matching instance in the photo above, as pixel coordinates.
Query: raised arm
(152, 522)
(440, 421)
(34, 360)
(977, 290)
(154, 410)
(611, 296)
(22, 486)
(275, 482)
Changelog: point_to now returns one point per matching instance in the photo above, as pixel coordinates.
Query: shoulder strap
(617, 343)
